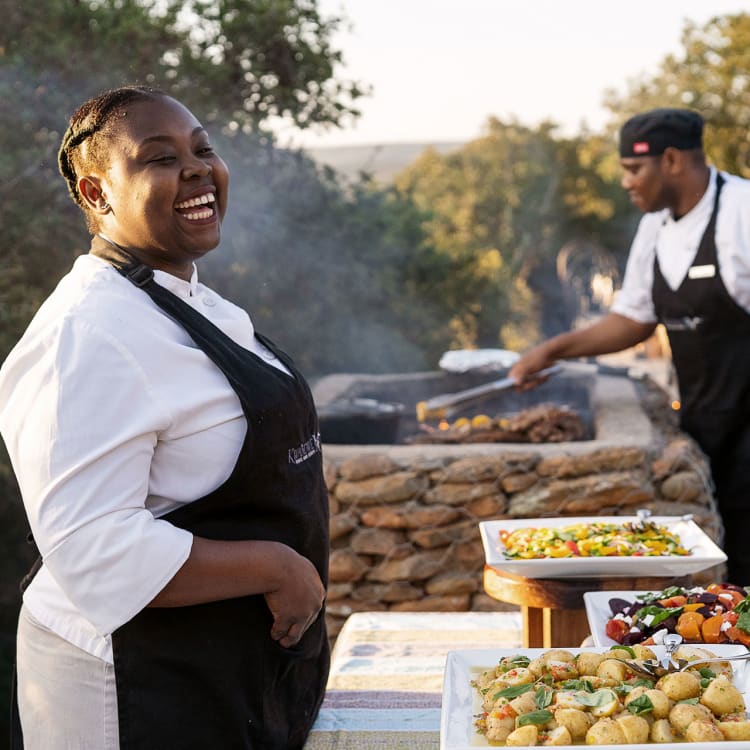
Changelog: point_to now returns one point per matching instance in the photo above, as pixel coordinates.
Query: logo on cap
(640, 148)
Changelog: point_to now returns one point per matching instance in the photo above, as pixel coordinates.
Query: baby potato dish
(589, 698)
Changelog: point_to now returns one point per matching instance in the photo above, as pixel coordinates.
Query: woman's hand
(217, 570)
(296, 602)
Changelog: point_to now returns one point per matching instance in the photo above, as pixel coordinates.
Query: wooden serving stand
(553, 609)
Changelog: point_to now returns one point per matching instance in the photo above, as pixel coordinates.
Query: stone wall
(404, 523)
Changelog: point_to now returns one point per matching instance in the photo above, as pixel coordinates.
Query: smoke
(322, 266)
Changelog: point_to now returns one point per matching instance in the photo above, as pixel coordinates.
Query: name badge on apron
(682, 324)
(702, 272)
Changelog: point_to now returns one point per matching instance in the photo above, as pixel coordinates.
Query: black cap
(650, 133)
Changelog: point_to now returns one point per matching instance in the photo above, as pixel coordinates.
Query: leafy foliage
(258, 60)
(244, 63)
(40, 224)
(501, 208)
(710, 76)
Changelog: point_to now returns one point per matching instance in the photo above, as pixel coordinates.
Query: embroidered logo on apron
(303, 452)
(682, 324)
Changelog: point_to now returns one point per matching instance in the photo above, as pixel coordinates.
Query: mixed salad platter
(592, 539)
(716, 613)
(598, 546)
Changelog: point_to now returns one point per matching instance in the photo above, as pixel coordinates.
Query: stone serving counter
(404, 518)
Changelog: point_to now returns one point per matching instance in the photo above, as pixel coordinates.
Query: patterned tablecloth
(385, 686)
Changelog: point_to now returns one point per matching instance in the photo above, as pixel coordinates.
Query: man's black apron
(709, 334)
(209, 677)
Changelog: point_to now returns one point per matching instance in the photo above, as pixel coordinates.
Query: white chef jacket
(113, 417)
(676, 243)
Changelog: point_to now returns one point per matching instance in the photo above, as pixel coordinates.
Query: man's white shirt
(676, 243)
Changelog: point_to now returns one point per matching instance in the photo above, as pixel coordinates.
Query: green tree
(259, 60)
(41, 226)
(500, 208)
(105, 43)
(240, 62)
(711, 75)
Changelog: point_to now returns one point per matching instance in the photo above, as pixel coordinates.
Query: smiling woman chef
(170, 466)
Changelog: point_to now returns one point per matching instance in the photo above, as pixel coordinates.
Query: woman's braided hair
(86, 122)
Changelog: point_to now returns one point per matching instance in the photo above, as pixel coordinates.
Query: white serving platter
(461, 701)
(703, 552)
(598, 613)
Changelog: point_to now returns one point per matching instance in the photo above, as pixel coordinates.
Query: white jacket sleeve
(81, 424)
(635, 299)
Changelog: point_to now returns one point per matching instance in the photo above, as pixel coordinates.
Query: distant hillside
(381, 161)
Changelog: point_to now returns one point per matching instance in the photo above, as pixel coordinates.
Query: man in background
(689, 269)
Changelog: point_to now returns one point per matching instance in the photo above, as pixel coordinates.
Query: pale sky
(440, 68)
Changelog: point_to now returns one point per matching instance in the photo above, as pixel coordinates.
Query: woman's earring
(105, 206)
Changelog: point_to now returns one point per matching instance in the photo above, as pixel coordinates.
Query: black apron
(210, 676)
(709, 334)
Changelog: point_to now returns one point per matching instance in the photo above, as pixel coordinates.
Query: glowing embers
(544, 423)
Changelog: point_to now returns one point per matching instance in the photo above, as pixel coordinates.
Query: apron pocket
(294, 687)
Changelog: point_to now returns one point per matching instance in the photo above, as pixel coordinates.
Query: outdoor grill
(362, 409)
(360, 421)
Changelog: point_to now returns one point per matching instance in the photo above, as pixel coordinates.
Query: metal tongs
(440, 407)
(643, 514)
(690, 663)
(653, 668)
(668, 664)
(643, 518)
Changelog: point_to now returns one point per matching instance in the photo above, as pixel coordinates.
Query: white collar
(174, 284)
(704, 204)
